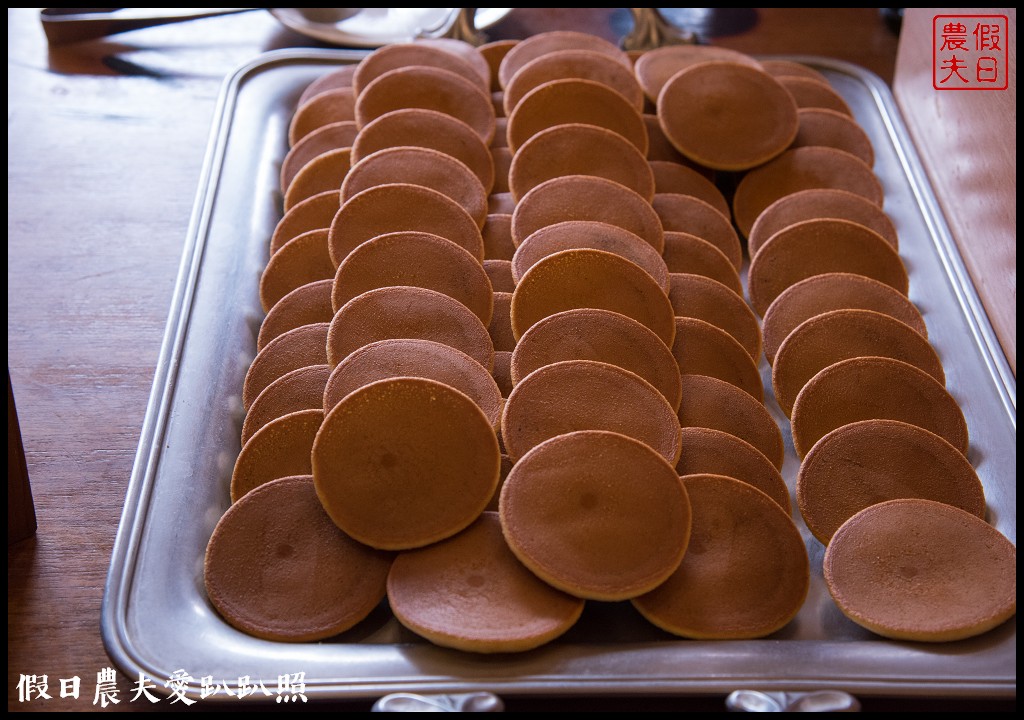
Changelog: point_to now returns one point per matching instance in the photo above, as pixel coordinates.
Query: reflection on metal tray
(157, 620)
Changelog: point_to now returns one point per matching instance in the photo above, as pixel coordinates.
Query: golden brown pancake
(305, 305)
(707, 451)
(330, 137)
(816, 247)
(403, 55)
(575, 101)
(413, 358)
(799, 169)
(833, 291)
(418, 260)
(405, 462)
(548, 42)
(400, 207)
(841, 334)
(871, 461)
(315, 213)
(577, 234)
(817, 204)
(811, 93)
(685, 253)
(418, 127)
(870, 388)
(322, 109)
(301, 389)
(431, 89)
(573, 64)
(500, 327)
(502, 373)
(701, 348)
(575, 149)
(786, 68)
(278, 449)
(407, 313)
(820, 126)
(304, 579)
(587, 395)
(745, 574)
(470, 593)
(584, 197)
(596, 514)
(602, 335)
(497, 235)
(727, 116)
(922, 571)
(499, 272)
(419, 166)
(298, 348)
(300, 261)
(323, 173)
(591, 278)
(494, 52)
(334, 80)
(673, 177)
(696, 296)
(656, 67)
(712, 403)
(688, 214)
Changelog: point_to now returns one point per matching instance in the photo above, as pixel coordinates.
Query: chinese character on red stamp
(970, 52)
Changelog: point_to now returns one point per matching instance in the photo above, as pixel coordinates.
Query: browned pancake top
(278, 449)
(573, 64)
(548, 42)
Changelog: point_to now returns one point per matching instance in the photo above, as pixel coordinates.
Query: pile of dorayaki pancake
(507, 365)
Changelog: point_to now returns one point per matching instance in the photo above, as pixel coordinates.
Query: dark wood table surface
(105, 143)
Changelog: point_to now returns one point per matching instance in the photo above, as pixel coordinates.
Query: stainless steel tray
(156, 618)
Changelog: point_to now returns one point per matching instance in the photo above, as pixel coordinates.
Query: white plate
(373, 27)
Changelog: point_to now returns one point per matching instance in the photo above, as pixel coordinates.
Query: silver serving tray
(156, 618)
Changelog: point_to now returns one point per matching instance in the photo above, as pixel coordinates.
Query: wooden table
(105, 144)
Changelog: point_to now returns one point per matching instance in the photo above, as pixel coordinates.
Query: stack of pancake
(506, 280)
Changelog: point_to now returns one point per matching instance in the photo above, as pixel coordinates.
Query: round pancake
(405, 462)
(418, 127)
(585, 197)
(575, 149)
(784, 68)
(688, 214)
(502, 372)
(501, 157)
(596, 514)
(696, 296)
(500, 326)
(278, 449)
(497, 236)
(300, 261)
(816, 247)
(301, 389)
(575, 101)
(707, 451)
(672, 177)
(816, 204)
(689, 254)
(386, 359)
(419, 166)
(745, 574)
(415, 259)
(334, 136)
(602, 335)
(304, 579)
(298, 348)
(431, 89)
(869, 388)
(499, 272)
(833, 291)
(727, 116)
(923, 571)
(712, 403)
(544, 43)
(494, 52)
(841, 334)
(812, 93)
(407, 313)
(399, 207)
(701, 348)
(578, 234)
(334, 80)
(871, 461)
(315, 213)
(801, 169)
(403, 55)
(305, 305)
(820, 126)
(577, 65)
(591, 278)
(323, 173)
(656, 67)
(587, 395)
(470, 593)
(325, 108)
